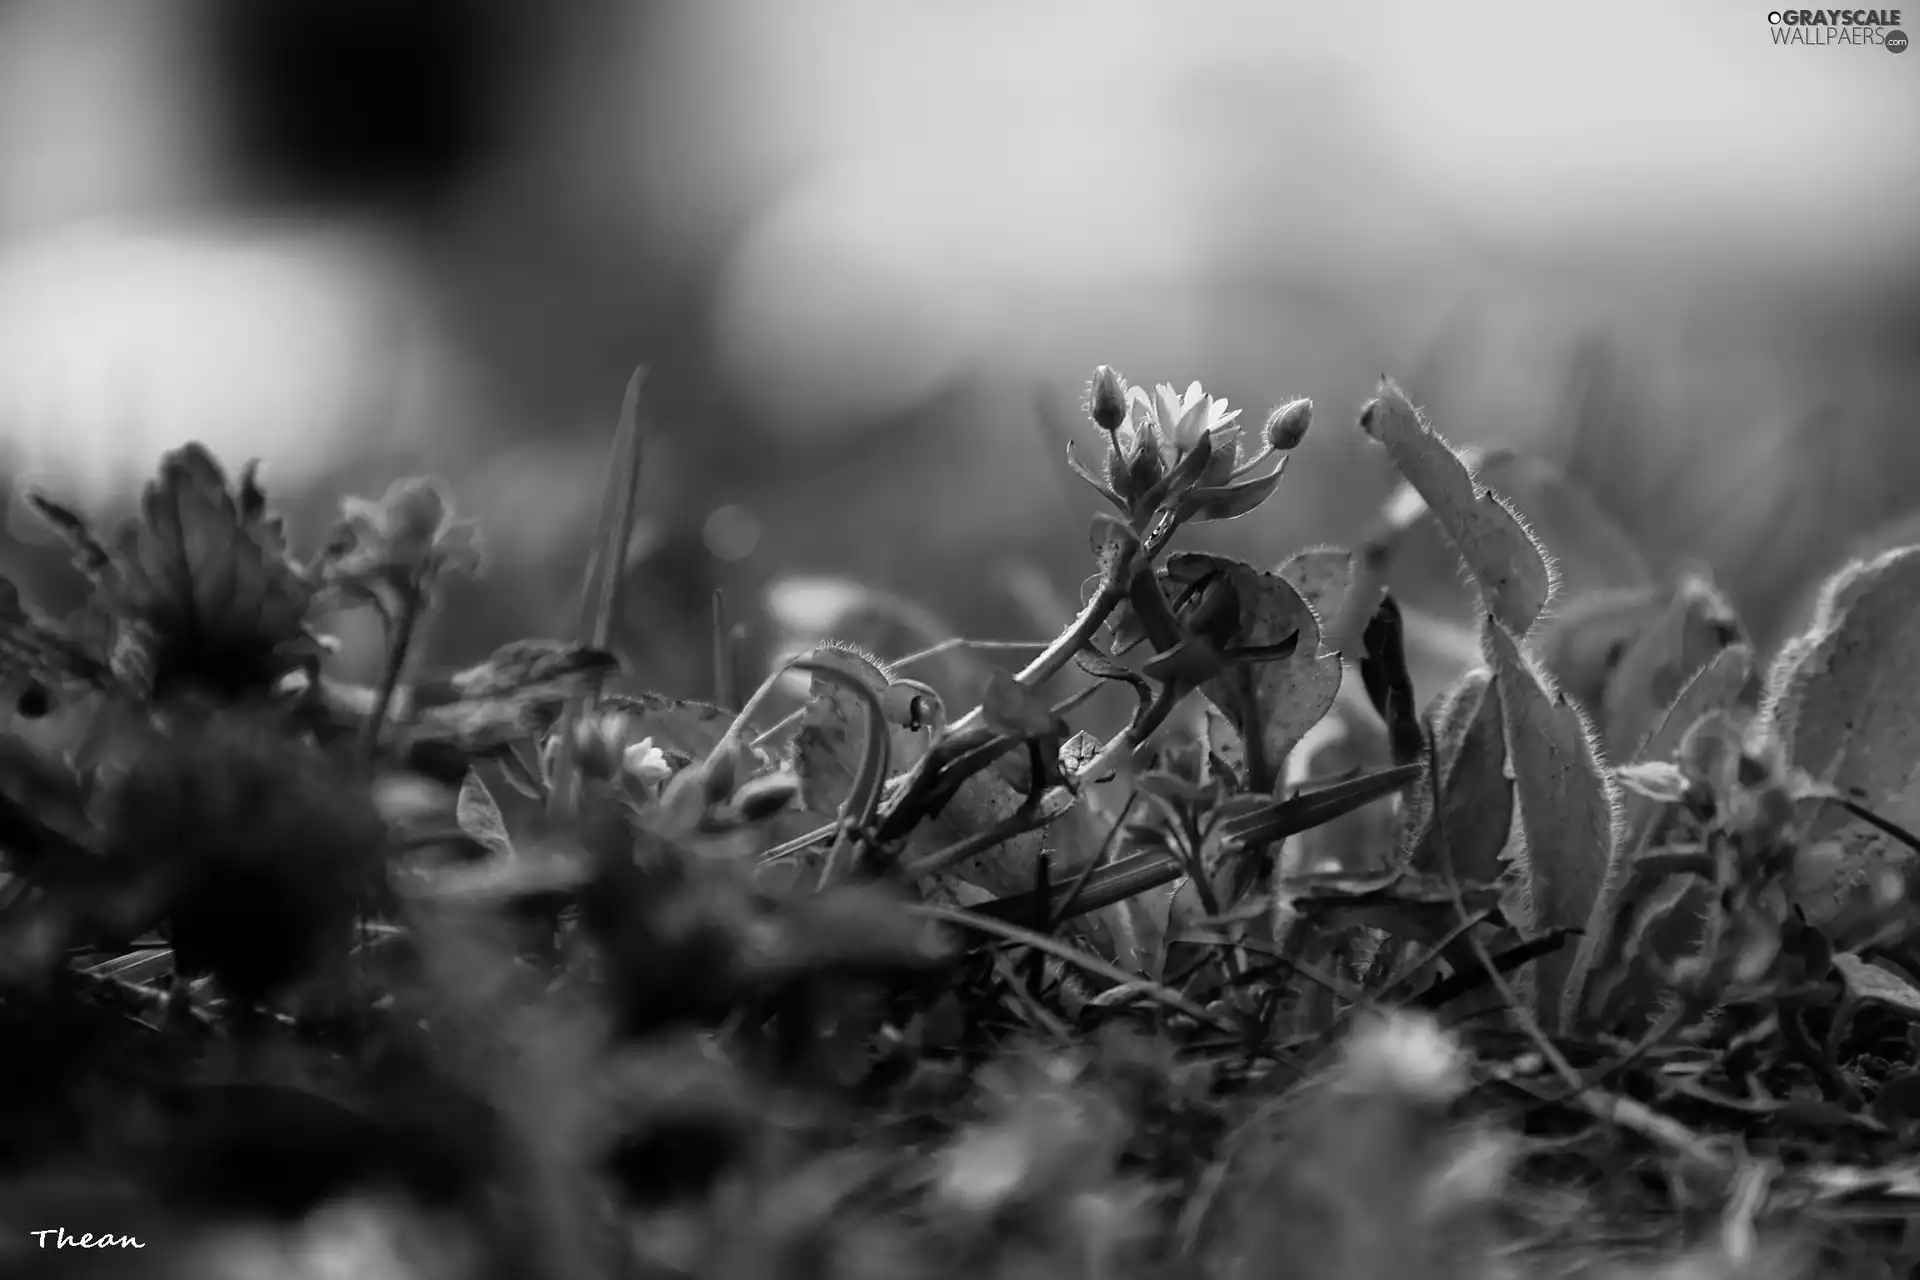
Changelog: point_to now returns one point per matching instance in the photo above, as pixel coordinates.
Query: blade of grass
(722, 652)
(606, 570)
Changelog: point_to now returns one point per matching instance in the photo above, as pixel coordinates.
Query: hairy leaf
(1505, 561)
(1565, 800)
(1844, 705)
(1591, 551)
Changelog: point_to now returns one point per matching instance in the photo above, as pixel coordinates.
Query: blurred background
(871, 252)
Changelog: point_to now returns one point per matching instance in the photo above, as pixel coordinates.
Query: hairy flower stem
(405, 624)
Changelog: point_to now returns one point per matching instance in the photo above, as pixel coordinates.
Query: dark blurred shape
(273, 1151)
(363, 102)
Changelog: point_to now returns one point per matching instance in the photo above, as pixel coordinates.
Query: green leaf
(479, 816)
(198, 587)
(1271, 703)
(1231, 501)
(1506, 562)
(1476, 795)
(983, 802)
(1845, 706)
(1100, 488)
(1303, 812)
(1566, 806)
(1321, 576)
(1389, 686)
(1665, 918)
(1079, 751)
(1691, 623)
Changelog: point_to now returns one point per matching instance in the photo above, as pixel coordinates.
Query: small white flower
(1179, 420)
(646, 762)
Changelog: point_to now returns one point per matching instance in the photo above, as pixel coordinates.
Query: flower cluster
(1177, 455)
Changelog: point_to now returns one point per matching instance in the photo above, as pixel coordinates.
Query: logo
(1838, 26)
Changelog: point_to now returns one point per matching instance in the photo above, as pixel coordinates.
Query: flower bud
(1287, 425)
(1107, 401)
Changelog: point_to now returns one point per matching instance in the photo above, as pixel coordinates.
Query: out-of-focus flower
(410, 532)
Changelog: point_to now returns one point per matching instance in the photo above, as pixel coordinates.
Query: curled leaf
(834, 741)
(1101, 667)
(876, 747)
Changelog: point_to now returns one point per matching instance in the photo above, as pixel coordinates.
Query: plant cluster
(1594, 962)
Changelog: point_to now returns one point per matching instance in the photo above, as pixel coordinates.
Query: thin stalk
(399, 646)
